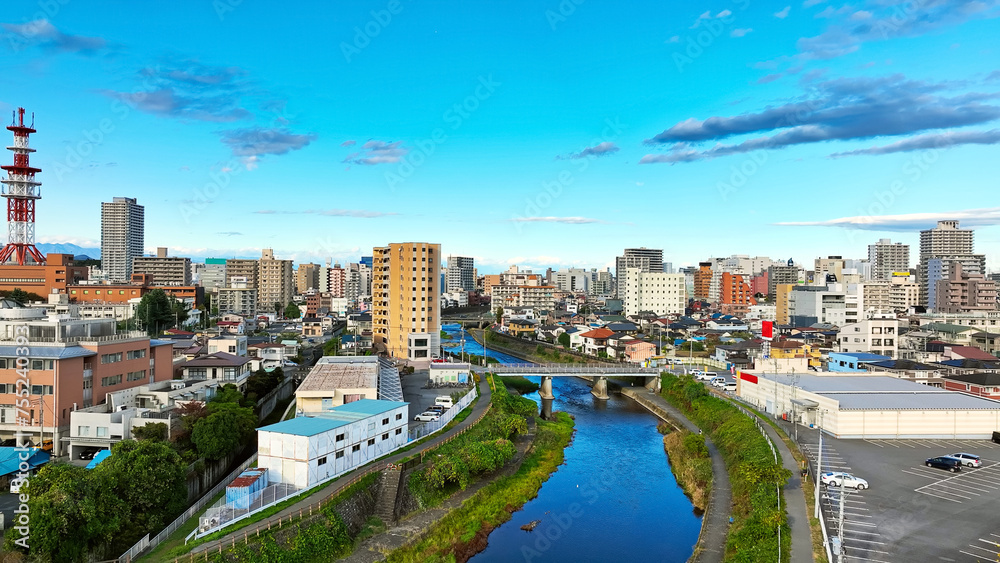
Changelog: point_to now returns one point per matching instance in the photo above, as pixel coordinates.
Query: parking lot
(911, 512)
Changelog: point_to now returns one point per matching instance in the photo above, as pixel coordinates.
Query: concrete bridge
(651, 376)
(467, 322)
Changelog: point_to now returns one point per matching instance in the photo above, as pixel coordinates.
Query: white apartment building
(276, 281)
(163, 269)
(572, 279)
(122, 237)
(876, 335)
(235, 344)
(661, 293)
(887, 258)
(461, 274)
(536, 296)
(238, 298)
(811, 304)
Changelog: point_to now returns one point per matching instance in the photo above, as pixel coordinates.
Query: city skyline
(497, 132)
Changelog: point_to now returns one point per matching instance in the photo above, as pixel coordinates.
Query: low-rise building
(308, 450)
(220, 366)
(338, 380)
(980, 384)
(269, 355)
(878, 334)
(450, 372)
(311, 327)
(852, 362)
(229, 343)
(596, 341)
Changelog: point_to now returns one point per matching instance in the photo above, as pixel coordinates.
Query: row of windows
(111, 380)
(111, 358)
(102, 431)
(11, 363)
(136, 375)
(35, 389)
(135, 354)
(106, 292)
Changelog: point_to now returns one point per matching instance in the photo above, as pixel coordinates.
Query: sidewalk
(715, 523)
(485, 395)
(795, 500)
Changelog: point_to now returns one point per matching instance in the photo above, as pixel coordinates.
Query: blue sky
(537, 133)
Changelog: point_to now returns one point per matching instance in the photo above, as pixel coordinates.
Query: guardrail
(316, 506)
(541, 369)
(148, 543)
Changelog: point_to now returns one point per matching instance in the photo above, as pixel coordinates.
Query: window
(385, 436)
(135, 354)
(41, 389)
(356, 448)
(339, 454)
(876, 341)
(385, 421)
(137, 375)
(399, 431)
(876, 330)
(321, 461)
(888, 342)
(371, 442)
(102, 431)
(83, 431)
(399, 417)
(112, 380)
(340, 437)
(111, 358)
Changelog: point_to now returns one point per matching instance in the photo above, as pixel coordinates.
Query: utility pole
(819, 462)
(840, 525)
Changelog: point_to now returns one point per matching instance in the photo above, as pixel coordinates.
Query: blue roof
(369, 406)
(54, 352)
(98, 458)
(10, 459)
(304, 426)
(862, 356)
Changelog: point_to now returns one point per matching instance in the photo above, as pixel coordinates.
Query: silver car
(429, 416)
(968, 460)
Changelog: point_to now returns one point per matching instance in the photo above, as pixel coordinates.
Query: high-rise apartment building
(213, 275)
(306, 278)
(646, 259)
(122, 237)
(237, 298)
(572, 279)
(276, 281)
(656, 292)
(703, 281)
(781, 275)
(946, 239)
(461, 274)
(163, 269)
(886, 258)
(964, 292)
(243, 270)
(735, 295)
(406, 290)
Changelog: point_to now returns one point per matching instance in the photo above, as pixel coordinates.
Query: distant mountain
(67, 248)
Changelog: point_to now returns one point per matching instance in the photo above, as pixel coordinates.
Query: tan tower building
(276, 281)
(406, 290)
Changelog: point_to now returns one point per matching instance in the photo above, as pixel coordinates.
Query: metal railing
(148, 543)
(562, 368)
(428, 428)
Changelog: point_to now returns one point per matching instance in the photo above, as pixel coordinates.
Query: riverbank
(691, 464)
(464, 531)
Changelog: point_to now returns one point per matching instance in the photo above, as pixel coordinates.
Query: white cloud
(908, 222)
(783, 13)
(740, 31)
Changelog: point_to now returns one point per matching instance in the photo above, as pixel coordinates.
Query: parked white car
(731, 386)
(834, 479)
(968, 460)
(706, 376)
(718, 381)
(429, 416)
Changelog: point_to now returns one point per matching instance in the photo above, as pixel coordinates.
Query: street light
(840, 520)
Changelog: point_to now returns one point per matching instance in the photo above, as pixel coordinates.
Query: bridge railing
(558, 369)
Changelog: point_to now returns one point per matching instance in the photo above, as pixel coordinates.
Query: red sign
(767, 329)
(748, 377)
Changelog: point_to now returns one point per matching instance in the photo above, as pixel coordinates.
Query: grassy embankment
(464, 531)
(690, 463)
(754, 476)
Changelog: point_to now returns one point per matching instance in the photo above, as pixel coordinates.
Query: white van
(445, 401)
(731, 386)
(718, 381)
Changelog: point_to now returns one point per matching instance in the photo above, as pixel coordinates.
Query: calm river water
(614, 499)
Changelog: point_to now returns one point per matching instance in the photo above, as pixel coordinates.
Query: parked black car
(945, 462)
(996, 437)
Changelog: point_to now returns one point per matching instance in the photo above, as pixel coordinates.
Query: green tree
(180, 311)
(155, 311)
(151, 479)
(19, 295)
(332, 347)
(499, 315)
(292, 311)
(226, 428)
(277, 309)
(228, 393)
(564, 340)
(154, 431)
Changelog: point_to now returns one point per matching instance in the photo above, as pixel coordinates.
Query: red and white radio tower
(19, 190)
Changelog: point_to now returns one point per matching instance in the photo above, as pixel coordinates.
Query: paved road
(340, 484)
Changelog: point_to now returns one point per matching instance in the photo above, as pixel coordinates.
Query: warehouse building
(307, 450)
(871, 406)
(338, 380)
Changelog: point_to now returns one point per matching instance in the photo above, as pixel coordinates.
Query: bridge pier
(545, 392)
(600, 389)
(653, 384)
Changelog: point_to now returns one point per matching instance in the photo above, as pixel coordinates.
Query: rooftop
(304, 426)
(980, 378)
(342, 372)
(862, 356)
(217, 359)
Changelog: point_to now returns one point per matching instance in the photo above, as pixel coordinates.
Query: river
(614, 498)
